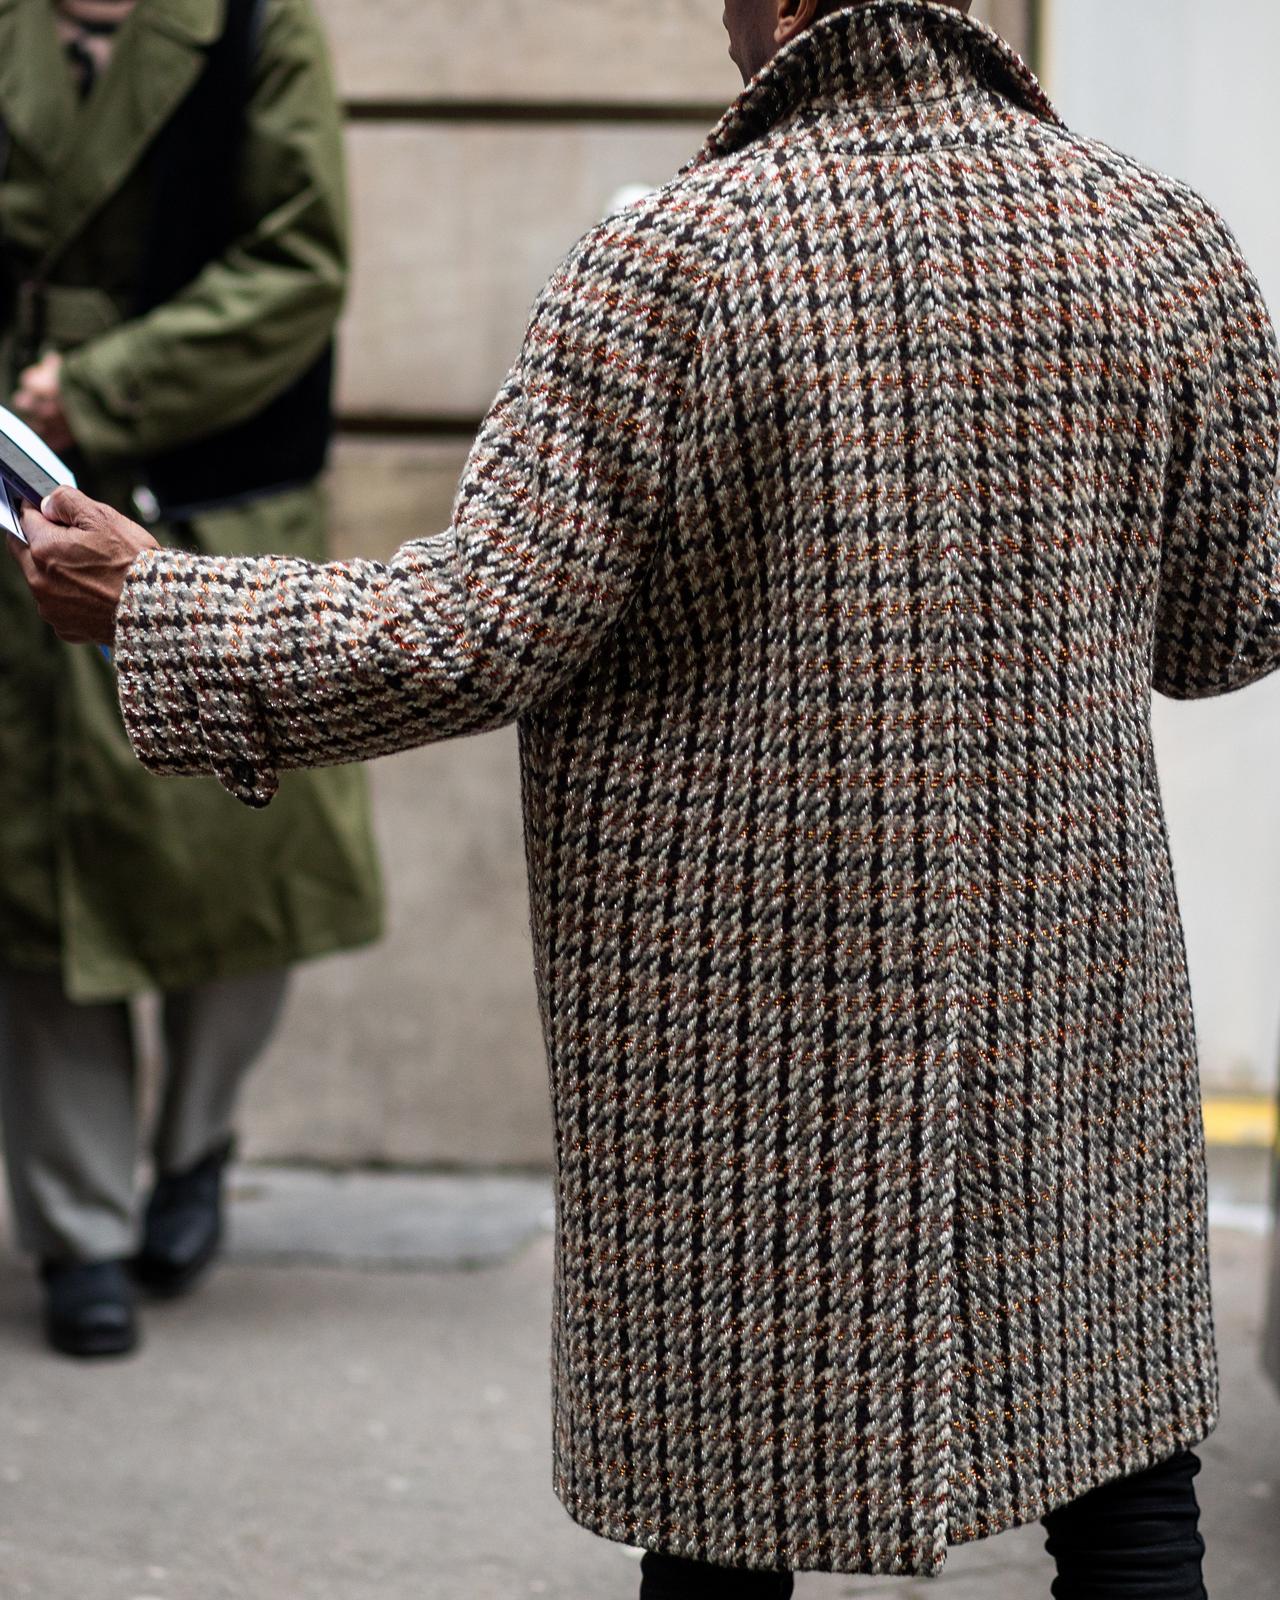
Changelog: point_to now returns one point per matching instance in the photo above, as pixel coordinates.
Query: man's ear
(794, 16)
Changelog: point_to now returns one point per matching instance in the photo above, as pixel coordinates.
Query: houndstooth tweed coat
(844, 506)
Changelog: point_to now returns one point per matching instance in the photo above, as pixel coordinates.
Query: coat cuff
(187, 708)
(103, 405)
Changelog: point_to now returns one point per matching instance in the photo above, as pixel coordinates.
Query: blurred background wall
(483, 141)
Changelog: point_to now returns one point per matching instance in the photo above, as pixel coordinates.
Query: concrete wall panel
(661, 51)
(458, 226)
(426, 1050)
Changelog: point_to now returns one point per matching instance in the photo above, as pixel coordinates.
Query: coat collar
(89, 150)
(909, 66)
(191, 22)
(37, 100)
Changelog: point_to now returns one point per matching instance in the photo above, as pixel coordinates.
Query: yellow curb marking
(1247, 1121)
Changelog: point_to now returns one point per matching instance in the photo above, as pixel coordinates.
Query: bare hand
(39, 402)
(75, 561)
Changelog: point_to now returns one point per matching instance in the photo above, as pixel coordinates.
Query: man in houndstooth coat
(847, 501)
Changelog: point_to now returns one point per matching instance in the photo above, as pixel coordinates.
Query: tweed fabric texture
(846, 501)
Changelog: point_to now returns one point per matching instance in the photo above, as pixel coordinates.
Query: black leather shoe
(183, 1227)
(89, 1308)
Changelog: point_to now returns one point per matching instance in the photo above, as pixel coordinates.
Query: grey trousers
(68, 1101)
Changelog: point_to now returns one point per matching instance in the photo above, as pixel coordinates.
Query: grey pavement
(356, 1408)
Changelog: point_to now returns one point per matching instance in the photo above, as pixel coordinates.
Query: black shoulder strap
(195, 185)
(195, 160)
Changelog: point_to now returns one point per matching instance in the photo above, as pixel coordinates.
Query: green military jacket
(120, 880)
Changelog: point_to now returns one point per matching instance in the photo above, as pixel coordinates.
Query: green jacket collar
(37, 100)
(195, 22)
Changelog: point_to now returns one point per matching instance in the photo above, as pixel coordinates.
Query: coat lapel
(160, 54)
(37, 100)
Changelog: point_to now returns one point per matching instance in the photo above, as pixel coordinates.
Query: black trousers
(1136, 1539)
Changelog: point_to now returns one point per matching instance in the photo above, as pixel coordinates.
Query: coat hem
(1151, 1453)
(639, 1533)
(145, 977)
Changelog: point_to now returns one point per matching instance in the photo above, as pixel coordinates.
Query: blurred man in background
(173, 249)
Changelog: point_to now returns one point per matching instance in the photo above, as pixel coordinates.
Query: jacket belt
(60, 317)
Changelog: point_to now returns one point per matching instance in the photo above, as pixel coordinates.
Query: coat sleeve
(1218, 613)
(257, 317)
(244, 667)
